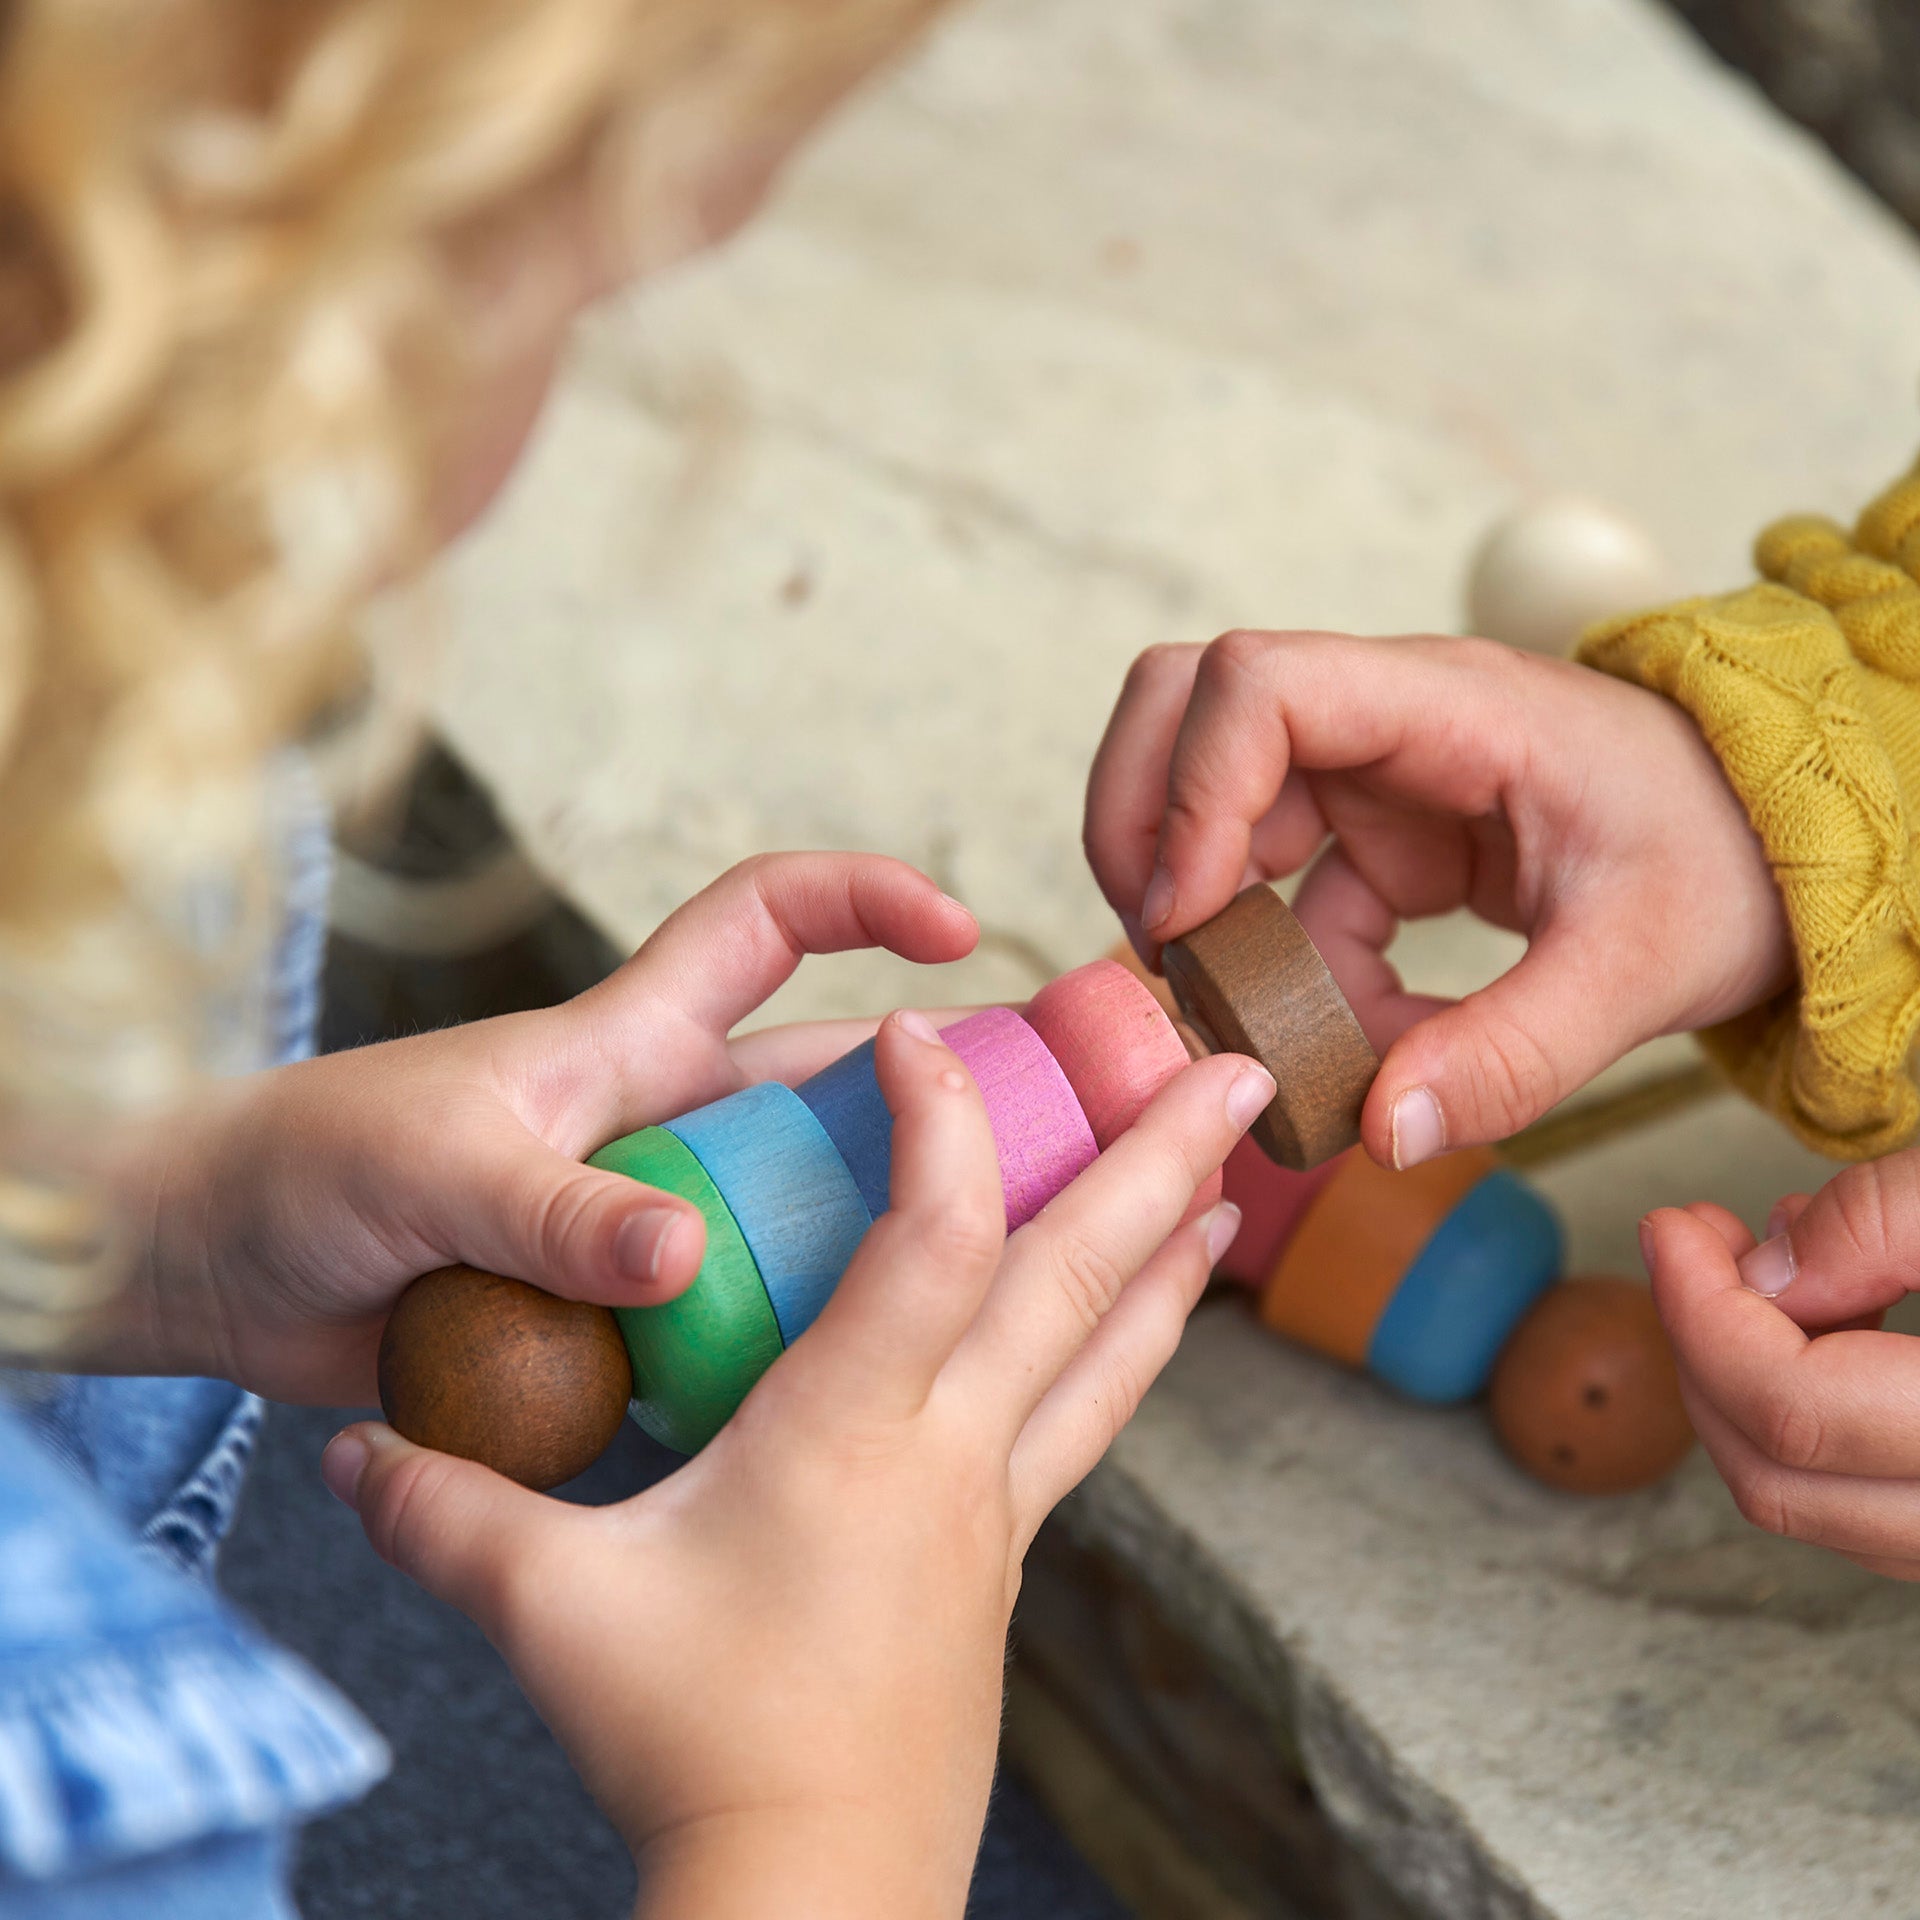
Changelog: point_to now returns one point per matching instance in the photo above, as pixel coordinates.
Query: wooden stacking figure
(1424, 1278)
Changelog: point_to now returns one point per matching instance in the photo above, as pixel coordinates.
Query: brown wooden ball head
(1585, 1395)
(494, 1370)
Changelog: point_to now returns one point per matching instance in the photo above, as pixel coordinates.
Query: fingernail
(1157, 906)
(917, 1024)
(1646, 1245)
(341, 1466)
(641, 1240)
(1769, 1269)
(1777, 1219)
(1249, 1096)
(1222, 1224)
(1418, 1130)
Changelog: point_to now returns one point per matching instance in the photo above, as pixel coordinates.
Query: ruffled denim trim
(187, 1531)
(130, 1752)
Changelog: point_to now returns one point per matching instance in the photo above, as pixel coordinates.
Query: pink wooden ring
(1113, 1042)
(1116, 1046)
(1038, 1126)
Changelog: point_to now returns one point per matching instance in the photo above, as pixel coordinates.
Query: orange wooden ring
(1347, 1257)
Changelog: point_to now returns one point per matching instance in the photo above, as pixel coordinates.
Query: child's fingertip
(344, 1464)
(914, 1023)
(677, 1253)
(1160, 899)
(1770, 1269)
(1223, 1225)
(1646, 1244)
(653, 1245)
(1249, 1096)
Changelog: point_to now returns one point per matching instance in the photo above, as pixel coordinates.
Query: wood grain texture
(1483, 1268)
(1357, 1239)
(1117, 1048)
(1586, 1396)
(783, 1180)
(1272, 1202)
(845, 1098)
(695, 1357)
(1039, 1130)
(1250, 981)
(494, 1370)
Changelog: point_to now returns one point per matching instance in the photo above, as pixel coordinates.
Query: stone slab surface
(1097, 326)
(1519, 1702)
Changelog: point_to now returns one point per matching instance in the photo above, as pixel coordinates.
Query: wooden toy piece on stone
(1442, 1282)
(1250, 981)
(1546, 572)
(498, 1371)
(1419, 1277)
(1586, 1396)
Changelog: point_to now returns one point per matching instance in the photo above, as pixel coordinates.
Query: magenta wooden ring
(1039, 1130)
(1113, 1041)
(1273, 1201)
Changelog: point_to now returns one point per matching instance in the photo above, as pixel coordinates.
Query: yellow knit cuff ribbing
(1806, 689)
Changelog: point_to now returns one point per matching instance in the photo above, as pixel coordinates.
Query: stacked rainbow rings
(789, 1179)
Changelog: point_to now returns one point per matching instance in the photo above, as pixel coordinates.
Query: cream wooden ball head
(1547, 571)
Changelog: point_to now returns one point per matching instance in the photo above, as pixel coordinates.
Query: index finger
(1840, 1403)
(1069, 1265)
(1127, 787)
(913, 1288)
(1266, 705)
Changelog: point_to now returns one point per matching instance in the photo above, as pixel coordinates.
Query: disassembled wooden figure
(1439, 1280)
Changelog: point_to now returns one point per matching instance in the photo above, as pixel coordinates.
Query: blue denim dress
(156, 1750)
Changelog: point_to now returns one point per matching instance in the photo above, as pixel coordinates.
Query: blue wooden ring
(1486, 1263)
(846, 1099)
(783, 1180)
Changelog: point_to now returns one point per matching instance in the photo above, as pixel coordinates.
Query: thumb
(1490, 1064)
(1853, 1249)
(460, 1530)
(517, 1206)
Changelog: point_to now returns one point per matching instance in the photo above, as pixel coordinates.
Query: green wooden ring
(696, 1357)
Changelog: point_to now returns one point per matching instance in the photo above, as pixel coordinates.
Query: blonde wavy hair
(229, 358)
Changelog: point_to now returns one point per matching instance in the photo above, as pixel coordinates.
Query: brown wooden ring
(1250, 981)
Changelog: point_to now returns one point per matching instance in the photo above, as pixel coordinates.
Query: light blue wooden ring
(1485, 1265)
(783, 1180)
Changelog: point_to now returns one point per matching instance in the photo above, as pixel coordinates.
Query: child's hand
(1573, 808)
(1811, 1413)
(779, 1671)
(288, 1214)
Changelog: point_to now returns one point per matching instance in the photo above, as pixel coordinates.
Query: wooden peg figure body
(1420, 1278)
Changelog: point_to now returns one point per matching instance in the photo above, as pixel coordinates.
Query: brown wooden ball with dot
(1250, 981)
(1585, 1395)
(494, 1370)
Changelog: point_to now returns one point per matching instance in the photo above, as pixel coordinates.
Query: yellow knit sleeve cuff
(1807, 688)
